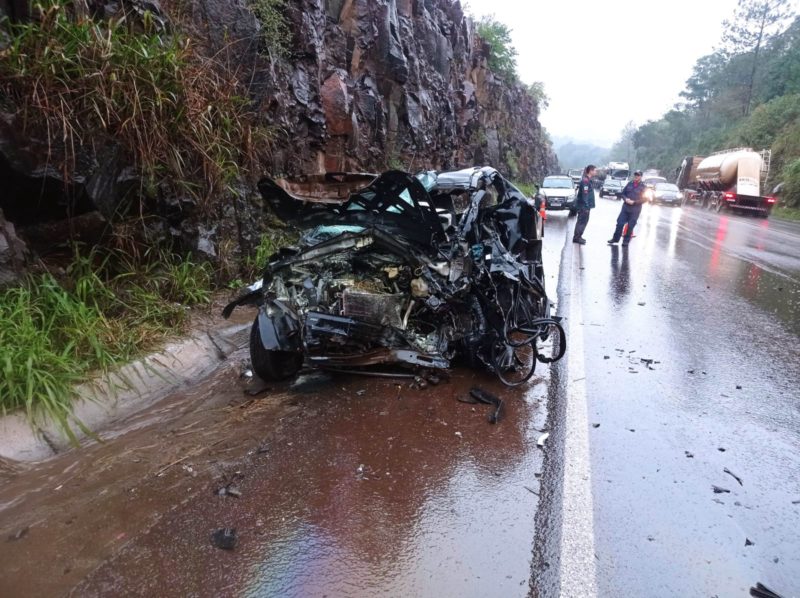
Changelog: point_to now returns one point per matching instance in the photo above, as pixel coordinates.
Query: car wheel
(602, 194)
(272, 365)
(572, 212)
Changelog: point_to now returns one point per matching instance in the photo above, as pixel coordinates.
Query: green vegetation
(275, 30)
(502, 57)
(182, 118)
(529, 189)
(786, 213)
(108, 308)
(791, 183)
(747, 93)
(270, 243)
(537, 92)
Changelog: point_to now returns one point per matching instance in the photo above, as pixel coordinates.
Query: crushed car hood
(394, 202)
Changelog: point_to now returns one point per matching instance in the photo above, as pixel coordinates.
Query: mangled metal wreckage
(405, 270)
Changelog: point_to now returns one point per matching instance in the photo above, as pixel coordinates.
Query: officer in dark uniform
(633, 199)
(584, 203)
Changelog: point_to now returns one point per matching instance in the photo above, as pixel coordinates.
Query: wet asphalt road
(361, 487)
(714, 302)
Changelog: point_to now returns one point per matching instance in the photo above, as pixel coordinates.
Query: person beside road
(633, 199)
(584, 203)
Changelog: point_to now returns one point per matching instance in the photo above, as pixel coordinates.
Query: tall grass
(182, 117)
(57, 334)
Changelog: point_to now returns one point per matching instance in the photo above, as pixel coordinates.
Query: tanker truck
(728, 180)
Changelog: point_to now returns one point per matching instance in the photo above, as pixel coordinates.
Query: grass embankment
(105, 310)
(184, 119)
(786, 213)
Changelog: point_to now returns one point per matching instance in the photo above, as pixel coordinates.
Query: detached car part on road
(408, 270)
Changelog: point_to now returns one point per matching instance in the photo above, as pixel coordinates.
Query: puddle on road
(388, 490)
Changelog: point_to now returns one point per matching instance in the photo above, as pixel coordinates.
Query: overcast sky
(630, 63)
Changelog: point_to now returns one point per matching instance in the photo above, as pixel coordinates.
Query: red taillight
(730, 197)
(771, 200)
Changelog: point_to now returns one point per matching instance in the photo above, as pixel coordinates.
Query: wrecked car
(402, 270)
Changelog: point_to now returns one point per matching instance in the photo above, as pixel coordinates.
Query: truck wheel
(272, 365)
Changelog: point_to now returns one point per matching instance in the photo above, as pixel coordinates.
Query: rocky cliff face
(365, 85)
(376, 83)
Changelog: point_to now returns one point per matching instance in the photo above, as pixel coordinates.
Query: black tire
(602, 194)
(572, 212)
(272, 365)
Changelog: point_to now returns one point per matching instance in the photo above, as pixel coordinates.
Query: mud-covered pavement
(354, 486)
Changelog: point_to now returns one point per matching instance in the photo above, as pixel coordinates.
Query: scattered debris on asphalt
(361, 393)
(256, 388)
(733, 475)
(720, 490)
(542, 439)
(488, 398)
(749, 542)
(721, 450)
(642, 304)
(224, 538)
(688, 455)
(738, 387)
(762, 591)
(531, 490)
(459, 434)
(595, 425)
(20, 533)
(796, 502)
(606, 356)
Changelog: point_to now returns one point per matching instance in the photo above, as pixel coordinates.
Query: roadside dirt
(133, 514)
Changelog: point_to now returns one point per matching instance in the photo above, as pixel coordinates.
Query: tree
(539, 95)
(625, 147)
(502, 53)
(754, 23)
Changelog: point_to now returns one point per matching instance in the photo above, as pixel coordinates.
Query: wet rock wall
(363, 85)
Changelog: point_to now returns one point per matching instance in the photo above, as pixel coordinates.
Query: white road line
(578, 569)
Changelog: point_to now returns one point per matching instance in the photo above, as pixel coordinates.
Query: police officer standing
(633, 197)
(584, 203)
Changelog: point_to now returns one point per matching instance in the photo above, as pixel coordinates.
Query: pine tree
(754, 23)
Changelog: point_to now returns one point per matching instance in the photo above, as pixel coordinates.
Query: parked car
(576, 174)
(407, 271)
(558, 193)
(667, 193)
(612, 187)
